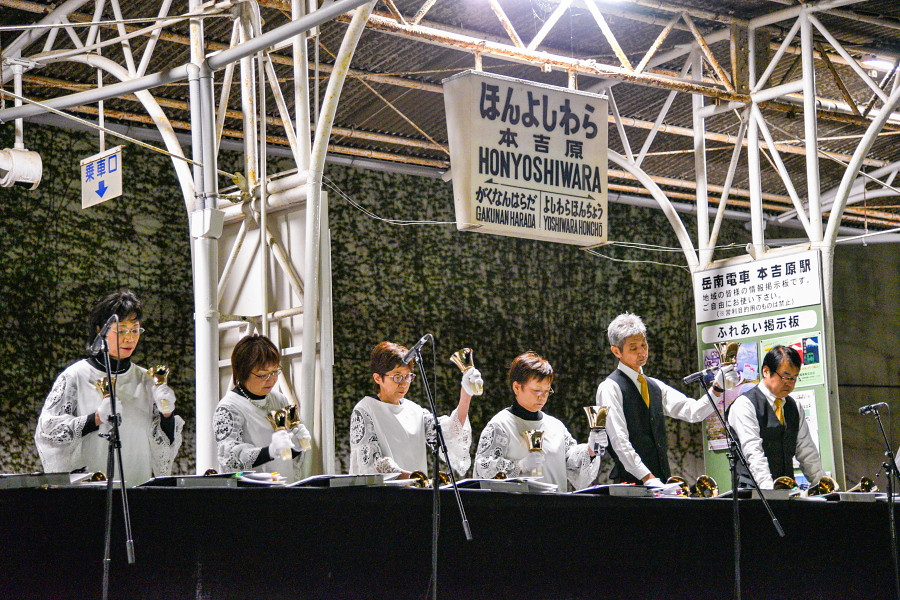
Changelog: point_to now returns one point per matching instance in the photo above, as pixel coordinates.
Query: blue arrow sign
(101, 189)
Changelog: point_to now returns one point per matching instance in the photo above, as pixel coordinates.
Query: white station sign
(528, 160)
(101, 177)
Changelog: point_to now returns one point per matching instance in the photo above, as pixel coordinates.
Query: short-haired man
(770, 425)
(638, 406)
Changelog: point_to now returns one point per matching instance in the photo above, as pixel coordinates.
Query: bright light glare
(879, 64)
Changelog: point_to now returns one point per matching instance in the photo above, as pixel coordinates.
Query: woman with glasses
(504, 451)
(74, 420)
(389, 433)
(245, 438)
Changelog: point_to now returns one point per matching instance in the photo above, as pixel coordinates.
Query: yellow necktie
(645, 392)
(779, 412)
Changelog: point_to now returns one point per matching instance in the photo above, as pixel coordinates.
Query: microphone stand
(115, 451)
(890, 469)
(438, 445)
(735, 455)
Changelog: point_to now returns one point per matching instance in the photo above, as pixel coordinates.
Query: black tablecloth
(355, 543)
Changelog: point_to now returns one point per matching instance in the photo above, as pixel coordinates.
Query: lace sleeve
(59, 429)
(366, 455)
(163, 451)
(490, 458)
(458, 438)
(233, 452)
(581, 470)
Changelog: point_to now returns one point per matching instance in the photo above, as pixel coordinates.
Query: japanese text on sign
(528, 160)
(766, 285)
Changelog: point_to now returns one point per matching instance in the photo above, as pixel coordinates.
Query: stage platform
(374, 542)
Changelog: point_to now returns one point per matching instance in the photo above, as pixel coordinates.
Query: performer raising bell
(388, 432)
(76, 410)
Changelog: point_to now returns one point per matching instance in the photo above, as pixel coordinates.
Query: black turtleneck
(524, 414)
(116, 366)
(242, 391)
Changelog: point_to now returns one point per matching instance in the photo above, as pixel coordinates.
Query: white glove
(472, 382)
(597, 440)
(281, 445)
(105, 410)
(531, 463)
(164, 398)
(655, 482)
(301, 437)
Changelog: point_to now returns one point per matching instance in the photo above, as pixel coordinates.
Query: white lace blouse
(146, 450)
(502, 446)
(390, 438)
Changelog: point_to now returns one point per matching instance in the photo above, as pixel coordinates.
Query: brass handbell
(596, 416)
(826, 485)
(464, 360)
(102, 386)
(160, 376)
(785, 482)
(278, 419)
(685, 490)
(706, 487)
(534, 440)
(159, 373)
(292, 419)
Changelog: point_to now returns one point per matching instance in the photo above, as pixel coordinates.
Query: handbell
(160, 376)
(596, 416)
(465, 361)
(102, 386)
(534, 440)
(292, 419)
(159, 373)
(728, 352)
(278, 419)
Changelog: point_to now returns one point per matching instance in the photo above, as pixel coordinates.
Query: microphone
(695, 377)
(97, 344)
(870, 408)
(409, 355)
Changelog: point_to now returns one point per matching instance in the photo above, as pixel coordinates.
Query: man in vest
(770, 426)
(638, 406)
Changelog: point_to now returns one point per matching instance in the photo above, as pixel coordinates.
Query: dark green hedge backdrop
(500, 296)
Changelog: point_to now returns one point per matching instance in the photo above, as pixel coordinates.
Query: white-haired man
(638, 406)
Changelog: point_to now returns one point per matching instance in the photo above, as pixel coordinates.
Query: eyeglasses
(398, 379)
(541, 393)
(136, 331)
(268, 376)
(786, 378)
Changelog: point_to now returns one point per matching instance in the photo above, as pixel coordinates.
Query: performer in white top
(771, 427)
(245, 438)
(76, 412)
(389, 433)
(502, 448)
(638, 406)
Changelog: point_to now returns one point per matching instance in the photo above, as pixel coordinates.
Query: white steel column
(313, 224)
(697, 101)
(809, 129)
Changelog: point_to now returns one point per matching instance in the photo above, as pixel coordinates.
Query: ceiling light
(20, 167)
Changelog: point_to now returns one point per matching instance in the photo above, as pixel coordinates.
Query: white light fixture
(20, 167)
(879, 64)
